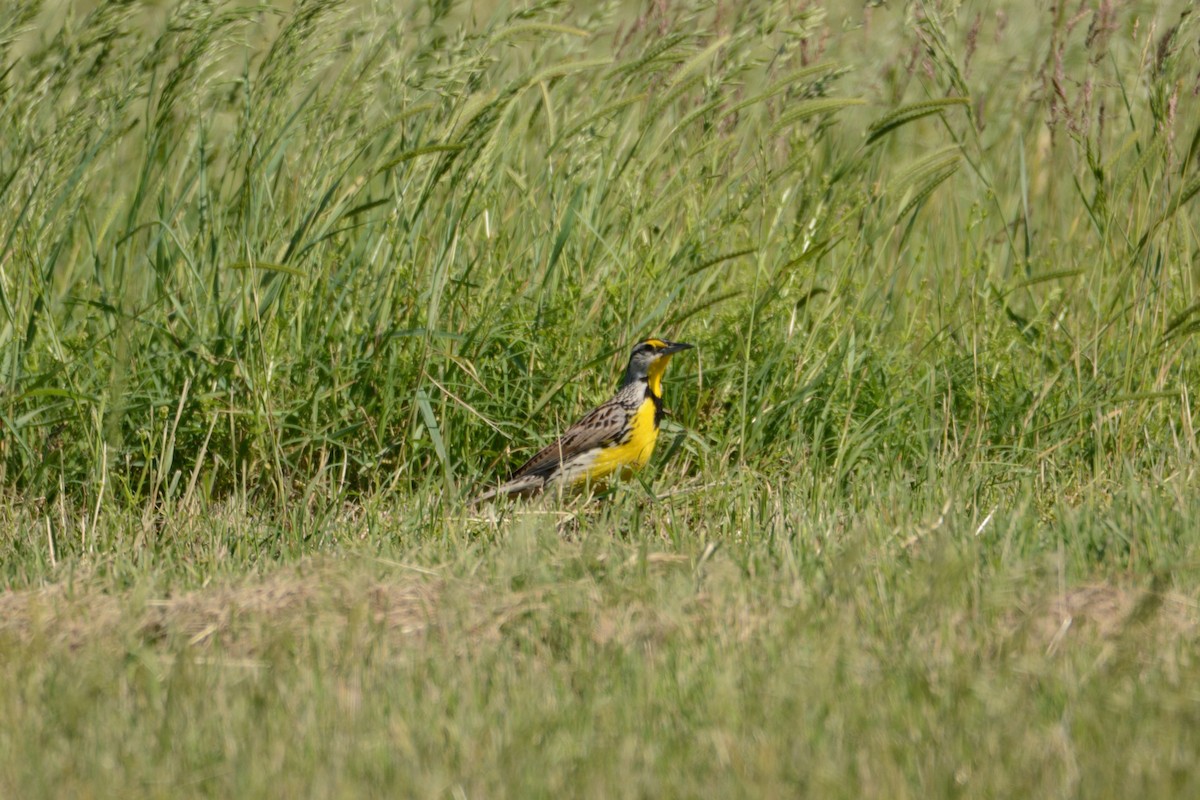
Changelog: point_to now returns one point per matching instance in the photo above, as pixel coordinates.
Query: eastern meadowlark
(616, 436)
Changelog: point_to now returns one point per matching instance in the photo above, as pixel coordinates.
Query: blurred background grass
(337, 249)
(283, 282)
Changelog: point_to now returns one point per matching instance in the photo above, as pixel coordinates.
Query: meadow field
(282, 284)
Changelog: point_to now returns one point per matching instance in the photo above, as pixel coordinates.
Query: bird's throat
(654, 386)
(654, 377)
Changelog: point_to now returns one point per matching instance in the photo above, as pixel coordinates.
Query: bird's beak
(674, 347)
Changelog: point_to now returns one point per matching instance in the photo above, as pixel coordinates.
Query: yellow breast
(631, 455)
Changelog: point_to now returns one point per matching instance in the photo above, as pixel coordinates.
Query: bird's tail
(520, 487)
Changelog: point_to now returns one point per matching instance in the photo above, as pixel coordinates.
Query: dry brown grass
(1104, 611)
(321, 597)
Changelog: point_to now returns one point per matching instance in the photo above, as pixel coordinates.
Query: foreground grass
(881, 657)
(279, 285)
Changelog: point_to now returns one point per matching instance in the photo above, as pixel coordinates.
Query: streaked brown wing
(601, 426)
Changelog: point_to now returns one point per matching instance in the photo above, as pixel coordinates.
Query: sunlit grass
(280, 286)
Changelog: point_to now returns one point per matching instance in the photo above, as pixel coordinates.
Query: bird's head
(648, 361)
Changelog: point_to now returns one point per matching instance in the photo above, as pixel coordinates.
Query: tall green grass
(326, 250)
(280, 284)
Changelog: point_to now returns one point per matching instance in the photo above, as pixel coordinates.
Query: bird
(618, 436)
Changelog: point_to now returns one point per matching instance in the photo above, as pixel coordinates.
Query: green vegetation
(279, 285)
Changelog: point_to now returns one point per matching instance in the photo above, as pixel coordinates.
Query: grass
(279, 285)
